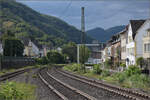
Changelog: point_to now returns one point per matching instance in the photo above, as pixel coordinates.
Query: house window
(147, 47)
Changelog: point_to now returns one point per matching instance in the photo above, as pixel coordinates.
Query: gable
(142, 31)
(146, 24)
(135, 25)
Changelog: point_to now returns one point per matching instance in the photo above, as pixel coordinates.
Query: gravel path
(42, 91)
(71, 95)
(100, 94)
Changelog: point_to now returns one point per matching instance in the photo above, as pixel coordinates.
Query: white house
(133, 26)
(144, 48)
(1, 48)
(141, 32)
(31, 49)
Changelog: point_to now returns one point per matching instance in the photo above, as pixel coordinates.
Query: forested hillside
(25, 22)
(104, 35)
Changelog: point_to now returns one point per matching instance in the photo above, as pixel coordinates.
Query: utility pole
(83, 37)
(82, 26)
(78, 55)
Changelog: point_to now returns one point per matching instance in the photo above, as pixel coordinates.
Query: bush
(120, 77)
(55, 57)
(42, 60)
(123, 65)
(73, 67)
(105, 73)
(132, 70)
(97, 69)
(16, 91)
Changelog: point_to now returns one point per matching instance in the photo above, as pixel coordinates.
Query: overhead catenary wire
(65, 10)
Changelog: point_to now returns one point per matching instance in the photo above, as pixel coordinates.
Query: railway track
(63, 90)
(13, 74)
(132, 95)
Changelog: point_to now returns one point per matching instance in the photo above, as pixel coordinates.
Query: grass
(17, 91)
(5, 71)
(130, 78)
(91, 75)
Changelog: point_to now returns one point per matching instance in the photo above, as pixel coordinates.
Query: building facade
(146, 42)
(146, 48)
(133, 26)
(123, 40)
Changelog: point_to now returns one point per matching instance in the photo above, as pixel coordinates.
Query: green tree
(70, 50)
(84, 53)
(13, 47)
(55, 57)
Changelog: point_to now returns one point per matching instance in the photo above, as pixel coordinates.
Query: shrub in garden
(97, 69)
(132, 70)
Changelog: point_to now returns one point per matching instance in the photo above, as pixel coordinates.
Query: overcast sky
(98, 13)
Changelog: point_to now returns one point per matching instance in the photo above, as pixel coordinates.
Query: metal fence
(15, 62)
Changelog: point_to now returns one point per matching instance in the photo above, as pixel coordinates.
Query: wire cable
(66, 9)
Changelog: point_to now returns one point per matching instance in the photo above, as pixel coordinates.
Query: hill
(103, 35)
(25, 22)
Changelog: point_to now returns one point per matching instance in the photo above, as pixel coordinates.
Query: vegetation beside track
(5, 71)
(130, 78)
(17, 91)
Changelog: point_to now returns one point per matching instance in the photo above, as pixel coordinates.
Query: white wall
(35, 49)
(139, 38)
(130, 45)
